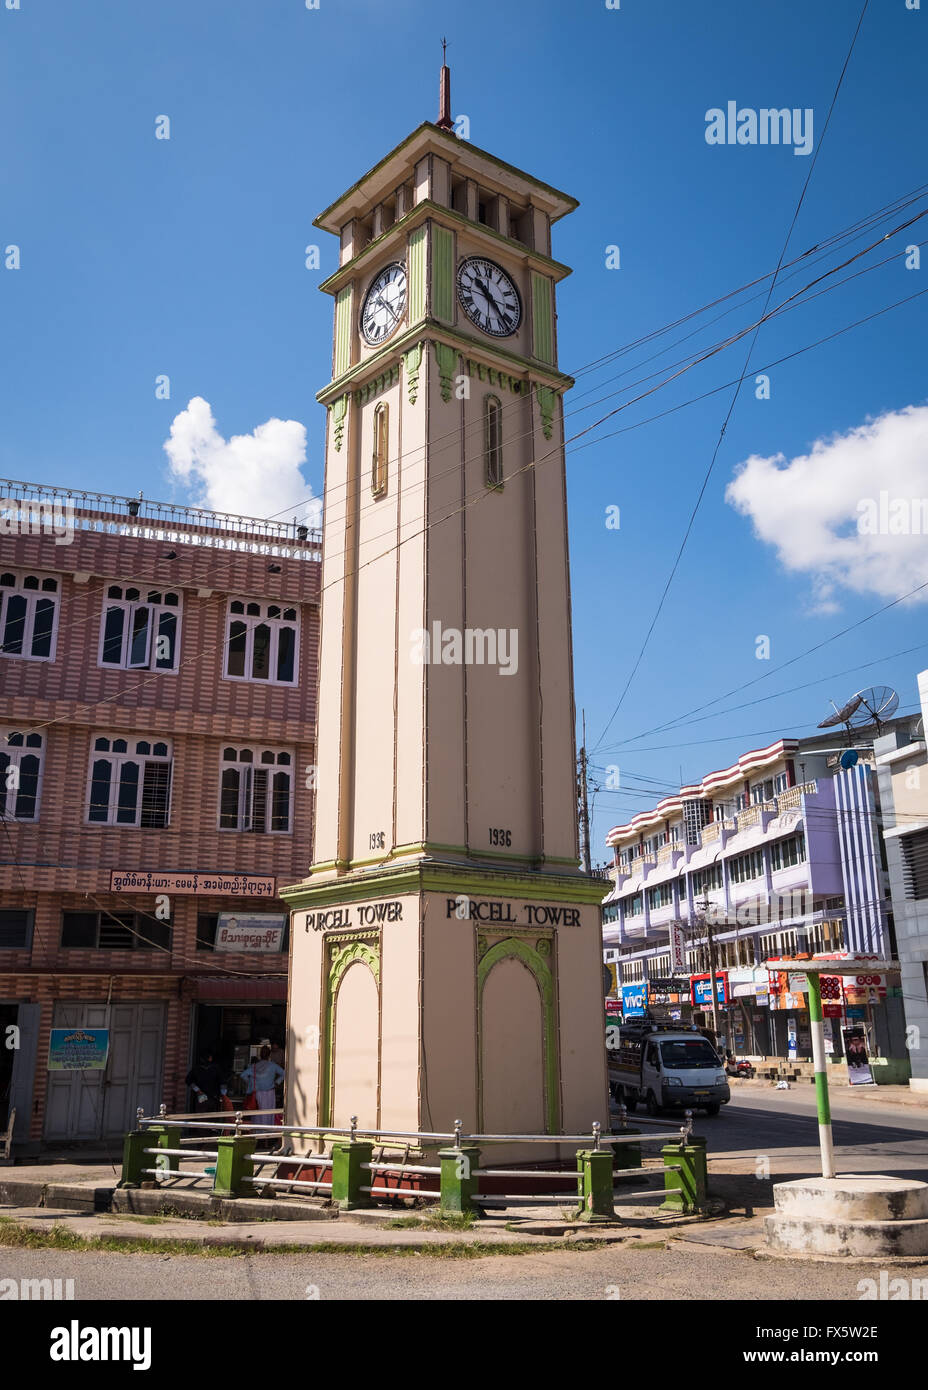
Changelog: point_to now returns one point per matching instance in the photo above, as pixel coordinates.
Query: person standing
(205, 1080)
(261, 1076)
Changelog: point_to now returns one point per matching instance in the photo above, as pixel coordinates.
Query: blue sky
(142, 257)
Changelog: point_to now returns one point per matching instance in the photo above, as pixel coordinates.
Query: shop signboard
(702, 990)
(864, 988)
(181, 883)
(792, 1039)
(858, 1057)
(250, 931)
(634, 1000)
(677, 949)
(78, 1049)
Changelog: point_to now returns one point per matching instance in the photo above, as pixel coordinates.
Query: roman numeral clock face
(383, 305)
(488, 297)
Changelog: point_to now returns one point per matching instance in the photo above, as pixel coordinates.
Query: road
(869, 1136)
(611, 1274)
(760, 1135)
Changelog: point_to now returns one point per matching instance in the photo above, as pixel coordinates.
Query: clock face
(384, 304)
(488, 297)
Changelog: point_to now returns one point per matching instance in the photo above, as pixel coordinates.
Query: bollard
(233, 1165)
(691, 1178)
(133, 1159)
(594, 1185)
(348, 1176)
(458, 1178)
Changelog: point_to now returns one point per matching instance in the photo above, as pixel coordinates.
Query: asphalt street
(761, 1135)
(613, 1274)
(869, 1136)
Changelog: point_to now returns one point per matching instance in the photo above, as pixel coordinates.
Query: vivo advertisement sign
(634, 1000)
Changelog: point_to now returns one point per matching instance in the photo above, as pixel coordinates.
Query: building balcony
(787, 800)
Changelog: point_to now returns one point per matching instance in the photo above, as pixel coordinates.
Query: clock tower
(446, 953)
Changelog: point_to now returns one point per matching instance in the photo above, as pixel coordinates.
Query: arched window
(381, 452)
(493, 440)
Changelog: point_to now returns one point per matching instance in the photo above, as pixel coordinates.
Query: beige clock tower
(446, 950)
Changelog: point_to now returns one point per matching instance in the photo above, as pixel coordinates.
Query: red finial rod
(444, 92)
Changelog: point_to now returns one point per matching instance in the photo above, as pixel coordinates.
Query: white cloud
(254, 474)
(852, 513)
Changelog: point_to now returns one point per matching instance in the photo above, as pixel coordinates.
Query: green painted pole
(816, 1019)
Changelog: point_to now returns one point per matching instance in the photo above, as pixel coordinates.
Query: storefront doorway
(84, 1105)
(232, 1031)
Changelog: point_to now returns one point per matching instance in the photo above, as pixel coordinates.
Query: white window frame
(130, 607)
(16, 754)
(119, 759)
(254, 620)
(32, 596)
(245, 812)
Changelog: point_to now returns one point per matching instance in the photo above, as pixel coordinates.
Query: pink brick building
(157, 713)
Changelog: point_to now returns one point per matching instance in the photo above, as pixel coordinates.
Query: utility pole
(704, 906)
(584, 805)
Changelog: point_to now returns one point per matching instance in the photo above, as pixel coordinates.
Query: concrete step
(883, 1239)
(852, 1198)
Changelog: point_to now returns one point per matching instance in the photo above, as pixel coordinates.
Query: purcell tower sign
(447, 955)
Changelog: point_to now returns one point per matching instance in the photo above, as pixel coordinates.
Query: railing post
(690, 1158)
(594, 1185)
(348, 1176)
(458, 1177)
(233, 1165)
(133, 1159)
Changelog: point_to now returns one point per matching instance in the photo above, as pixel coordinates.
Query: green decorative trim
(496, 377)
(339, 410)
(542, 318)
(400, 342)
(412, 361)
(442, 273)
(447, 359)
(514, 947)
(428, 210)
(546, 400)
(342, 331)
(340, 958)
(418, 248)
(395, 880)
(377, 384)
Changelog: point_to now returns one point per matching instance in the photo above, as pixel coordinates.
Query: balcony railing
(162, 521)
(788, 799)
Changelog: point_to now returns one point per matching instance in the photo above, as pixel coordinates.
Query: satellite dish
(877, 703)
(844, 715)
(848, 758)
(868, 707)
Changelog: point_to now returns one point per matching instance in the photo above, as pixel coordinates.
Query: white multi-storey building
(778, 854)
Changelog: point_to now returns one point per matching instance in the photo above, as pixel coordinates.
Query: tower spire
(444, 92)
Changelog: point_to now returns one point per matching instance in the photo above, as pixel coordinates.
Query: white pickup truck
(666, 1069)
